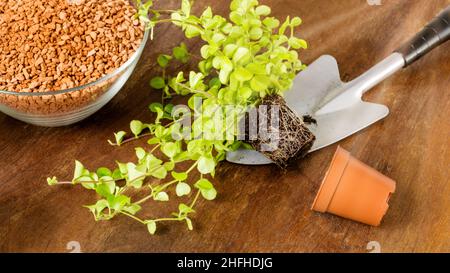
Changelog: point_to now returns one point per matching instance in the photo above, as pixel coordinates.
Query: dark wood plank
(259, 208)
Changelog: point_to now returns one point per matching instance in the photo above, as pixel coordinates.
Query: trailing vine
(244, 58)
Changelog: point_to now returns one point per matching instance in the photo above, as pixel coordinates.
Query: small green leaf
(52, 181)
(160, 173)
(152, 162)
(122, 168)
(103, 171)
(260, 83)
(236, 18)
(181, 53)
(163, 60)
(186, 7)
(256, 33)
(170, 149)
(262, 10)
(229, 50)
(296, 21)
(179, 176)
(105, 189)
(206, 189)
(101, 205)
(154, 106)
(169, 165)
(245, 93)
(118, 202)
(88, 185)
(296, 43)
(184, 209)
(183, 156)
(223, 63)
(116, 175)
(132, 209)
(241, 54)
(209, 195)
(206, 165)
(169, 108)
(183, 189)
(224, 75)
(79, 170)
(136, 127)
(98, 207)
(204, 51)
(137, 184)
(284, 26)
(214, 82)
(157, 82)
(207, 13)
(159, 115)
(162, 196)
(92, 209)
(242, 74)
(195, 79)
(191, 32)
(271, 22)
(151, 227)
(118, 137)
(217, 62)
(189, 224)
(176, 17)
(134, 173)
(256, 69)
(204, 184)
(140, 153)
(153, 141)
(218, 38)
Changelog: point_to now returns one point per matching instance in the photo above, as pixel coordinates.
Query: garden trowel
(336, 106)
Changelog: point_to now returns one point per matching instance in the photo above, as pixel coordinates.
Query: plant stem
(151, 195)
(195, 91)
(144, 199)
(167, 219)
(133, 139)
(142, 177)
(168, 184)
(177, 21)
(134, 217)
(195, 199)
(154, 148)
(192, 167)
(165, 11)
(91, 181)
(65, 183)
(169, 124)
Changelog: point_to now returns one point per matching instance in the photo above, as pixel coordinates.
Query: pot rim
(331, 180)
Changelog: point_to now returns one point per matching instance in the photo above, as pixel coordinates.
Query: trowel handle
(434, 34)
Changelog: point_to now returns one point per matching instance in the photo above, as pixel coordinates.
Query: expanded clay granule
(50, 45)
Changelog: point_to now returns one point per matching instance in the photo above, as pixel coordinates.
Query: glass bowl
(65, 107)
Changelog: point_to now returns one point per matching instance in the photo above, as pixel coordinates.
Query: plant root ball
(292, 140)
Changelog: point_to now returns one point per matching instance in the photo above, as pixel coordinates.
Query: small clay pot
(353, 190)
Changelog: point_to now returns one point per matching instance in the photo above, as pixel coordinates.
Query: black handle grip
(434, 34)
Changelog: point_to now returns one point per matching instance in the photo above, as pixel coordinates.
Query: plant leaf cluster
(244, 57)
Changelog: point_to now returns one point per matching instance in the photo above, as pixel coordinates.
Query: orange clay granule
(48, 45)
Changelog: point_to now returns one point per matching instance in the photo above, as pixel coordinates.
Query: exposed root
(292, 138)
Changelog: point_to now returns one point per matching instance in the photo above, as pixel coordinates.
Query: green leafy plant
(244, 58)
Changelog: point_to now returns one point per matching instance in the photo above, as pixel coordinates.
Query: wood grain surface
(259, 208)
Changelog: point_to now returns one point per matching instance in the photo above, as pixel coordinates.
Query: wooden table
(259, 208)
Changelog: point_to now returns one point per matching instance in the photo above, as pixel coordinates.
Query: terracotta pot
(353, 190)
